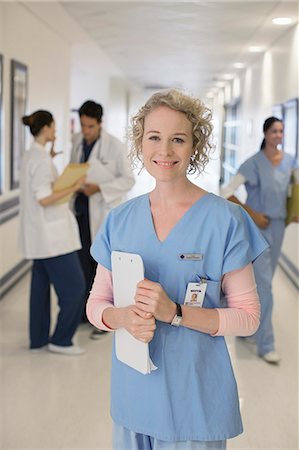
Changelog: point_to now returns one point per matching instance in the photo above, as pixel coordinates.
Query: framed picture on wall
(74, 121)
(19, 88)
(290, 135)
(1, 119)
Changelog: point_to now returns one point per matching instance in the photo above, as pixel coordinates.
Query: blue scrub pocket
(213, 295)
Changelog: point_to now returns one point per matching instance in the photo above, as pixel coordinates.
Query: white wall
(272, 79)
(47, 56)
(118, 109)
(90, 79)
(65, 68)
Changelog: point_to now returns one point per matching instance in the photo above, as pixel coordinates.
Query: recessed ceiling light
(282, 21)
(255, 49)
(239, 65)
(227, 76)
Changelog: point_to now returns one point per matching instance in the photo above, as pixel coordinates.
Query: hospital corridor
(149, 225)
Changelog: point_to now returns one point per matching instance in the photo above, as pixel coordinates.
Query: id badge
(195, 294)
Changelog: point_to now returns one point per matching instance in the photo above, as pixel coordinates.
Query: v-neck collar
(178, 223)
(269, 162)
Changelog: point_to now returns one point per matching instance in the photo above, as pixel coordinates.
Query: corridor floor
(60, 402)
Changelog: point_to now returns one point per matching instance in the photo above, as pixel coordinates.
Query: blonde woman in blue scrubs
(184, 235)
(266, 176)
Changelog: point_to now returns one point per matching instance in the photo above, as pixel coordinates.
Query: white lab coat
(45, 231)
(110, 170)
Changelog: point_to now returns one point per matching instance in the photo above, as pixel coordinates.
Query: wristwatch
(178, 317)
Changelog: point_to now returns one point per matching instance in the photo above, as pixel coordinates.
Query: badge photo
(195, 294)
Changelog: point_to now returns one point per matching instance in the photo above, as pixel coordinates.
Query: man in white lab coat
(108, 179)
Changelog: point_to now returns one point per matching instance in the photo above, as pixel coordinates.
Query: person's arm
(41, 181)
(240, 318)
(242, 315)
(151, 297)
(234, 183)
(102, 313)
(55, 196)
(227, 192)
(260, 219)
(100, 298)
(90, 189)
(53, 152)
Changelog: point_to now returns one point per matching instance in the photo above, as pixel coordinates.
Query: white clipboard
(127, 271)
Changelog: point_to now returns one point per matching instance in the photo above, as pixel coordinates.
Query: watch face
(176, 320)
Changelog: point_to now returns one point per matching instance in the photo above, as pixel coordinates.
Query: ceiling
(189, 44)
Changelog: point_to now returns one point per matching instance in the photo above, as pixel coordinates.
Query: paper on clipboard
(72, 173)
(127, 271)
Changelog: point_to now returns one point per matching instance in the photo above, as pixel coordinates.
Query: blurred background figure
(49, 236)
(108, 180)
(266, 176)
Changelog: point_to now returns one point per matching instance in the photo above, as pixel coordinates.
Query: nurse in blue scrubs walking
(190, 241)
(266, 176)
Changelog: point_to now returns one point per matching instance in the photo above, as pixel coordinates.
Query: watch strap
(178, 316)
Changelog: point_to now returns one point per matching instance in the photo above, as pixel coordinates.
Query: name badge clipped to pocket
(195, 294)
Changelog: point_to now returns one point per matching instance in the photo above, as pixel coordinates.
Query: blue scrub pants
(264, 268)
(124, 439)
(66, 275)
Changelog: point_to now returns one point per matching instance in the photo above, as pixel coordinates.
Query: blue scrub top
(193, 393)
(267, 185)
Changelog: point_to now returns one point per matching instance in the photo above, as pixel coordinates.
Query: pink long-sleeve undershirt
(240, 318)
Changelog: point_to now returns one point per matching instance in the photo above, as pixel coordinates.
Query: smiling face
(167, 143)
(274, 134)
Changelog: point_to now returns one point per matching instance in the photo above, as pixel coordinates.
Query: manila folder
(72, 173)
(127, 271)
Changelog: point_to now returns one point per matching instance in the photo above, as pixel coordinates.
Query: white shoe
(271, 357)
(69, 350)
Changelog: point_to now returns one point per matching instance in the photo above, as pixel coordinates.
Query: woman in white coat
(49, 236)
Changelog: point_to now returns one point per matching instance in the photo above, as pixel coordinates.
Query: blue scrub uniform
(267, 190)
(193, 393)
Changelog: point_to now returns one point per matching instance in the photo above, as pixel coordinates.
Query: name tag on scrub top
(195, 294)
(191, 256)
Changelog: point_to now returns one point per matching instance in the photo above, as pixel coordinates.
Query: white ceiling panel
(187, 44)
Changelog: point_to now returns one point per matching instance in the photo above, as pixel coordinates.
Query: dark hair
(268, 124)
(37, 120)
(91, 109)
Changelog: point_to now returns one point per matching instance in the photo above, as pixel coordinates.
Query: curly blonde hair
(197, 113)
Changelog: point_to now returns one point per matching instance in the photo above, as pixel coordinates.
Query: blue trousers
(124, 439)
(65, 273)
(264, 268)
